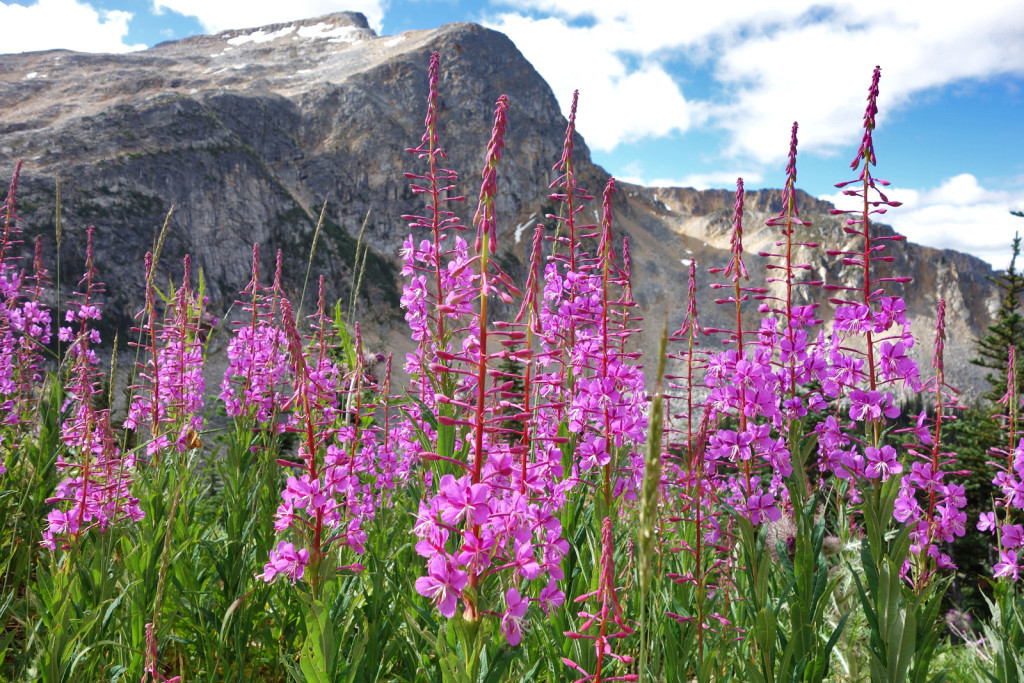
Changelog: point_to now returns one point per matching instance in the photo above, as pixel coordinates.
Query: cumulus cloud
(959, 214)
(63, 24)
(607, 87)
(221, 16)
(701, 181)
(820, 68)
(771, 61)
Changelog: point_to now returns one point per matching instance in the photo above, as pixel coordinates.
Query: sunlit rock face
(247, 133)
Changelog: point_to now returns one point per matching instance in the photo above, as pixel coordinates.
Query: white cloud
(219, 16)
(959, 214)
(772, 62)
(66, 24)
(610, 94)
(703, 181)
(818, 73)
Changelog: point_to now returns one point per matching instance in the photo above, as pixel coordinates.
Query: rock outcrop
(247, 133)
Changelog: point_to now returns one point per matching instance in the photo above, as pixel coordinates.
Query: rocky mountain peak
(248, 132)
(337, 27)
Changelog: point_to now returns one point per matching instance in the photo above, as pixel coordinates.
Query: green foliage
(970, 436)
(1004, 638)
(1007, 330)
(761, 606)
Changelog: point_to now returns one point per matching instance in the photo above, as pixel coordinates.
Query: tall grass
(519, 510)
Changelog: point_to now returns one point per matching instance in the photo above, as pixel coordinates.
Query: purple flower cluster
(96, 490)
(589, 378)
(492, 481)
(344, 468)
(940, 517)
(751, 460)
(170, 403)
(775, 374)
(254, 381)
(24, 320)
(607, 403)
(930, 505)
(1009, 480)
(492, 514)
(285, 561)
(691, 484)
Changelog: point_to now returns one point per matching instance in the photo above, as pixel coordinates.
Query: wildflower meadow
(523, 497)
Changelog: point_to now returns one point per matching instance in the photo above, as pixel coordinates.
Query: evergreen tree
(1007, 330)
(970, 436)
(975, 431)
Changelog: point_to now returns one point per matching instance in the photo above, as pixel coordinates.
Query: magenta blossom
(871, 405)
(761, 508)
(287, 561)
(882, 462)
(1012, 535)
(463, 500)
(512, 620)
(443, 585)
(1007, 565)
(550, 596)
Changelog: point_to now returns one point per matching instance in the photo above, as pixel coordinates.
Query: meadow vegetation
(537, 502)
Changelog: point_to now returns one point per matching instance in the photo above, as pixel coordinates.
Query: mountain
(247, 133)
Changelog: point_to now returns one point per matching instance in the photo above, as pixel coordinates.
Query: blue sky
(698, 94)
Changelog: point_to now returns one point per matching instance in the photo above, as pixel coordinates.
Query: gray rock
(248, 132)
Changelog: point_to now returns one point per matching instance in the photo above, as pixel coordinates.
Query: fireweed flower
(512, 619)
(608, 620)
(467, 500)
(254, 381)
(570, 195)
(772, 375)
(285, 561)
(1008, 565)
(800, 360)
(931, 506)
(96, 490)
(440, 289)
(558, 307)
(1012, 535)
(744, 382)
(693, 482)
(330, 496)
(442, 585)
(608, 404)
(867, 352)
(871, 405)
(882, 462)
(494, 513)
(535, 448)
(1009, 480)
(170, 403)
(871, 320)
(24, 322)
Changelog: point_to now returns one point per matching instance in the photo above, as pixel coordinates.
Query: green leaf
(231, 610)
(822, 665)
(115, 603)
(904, 656)
(318, 648)
(765, 632)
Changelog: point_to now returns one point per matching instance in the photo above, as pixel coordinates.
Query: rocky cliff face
(247, 133)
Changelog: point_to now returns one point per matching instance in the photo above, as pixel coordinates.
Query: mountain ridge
(247, 132)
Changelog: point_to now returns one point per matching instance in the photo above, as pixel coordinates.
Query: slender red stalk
(485, 221)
